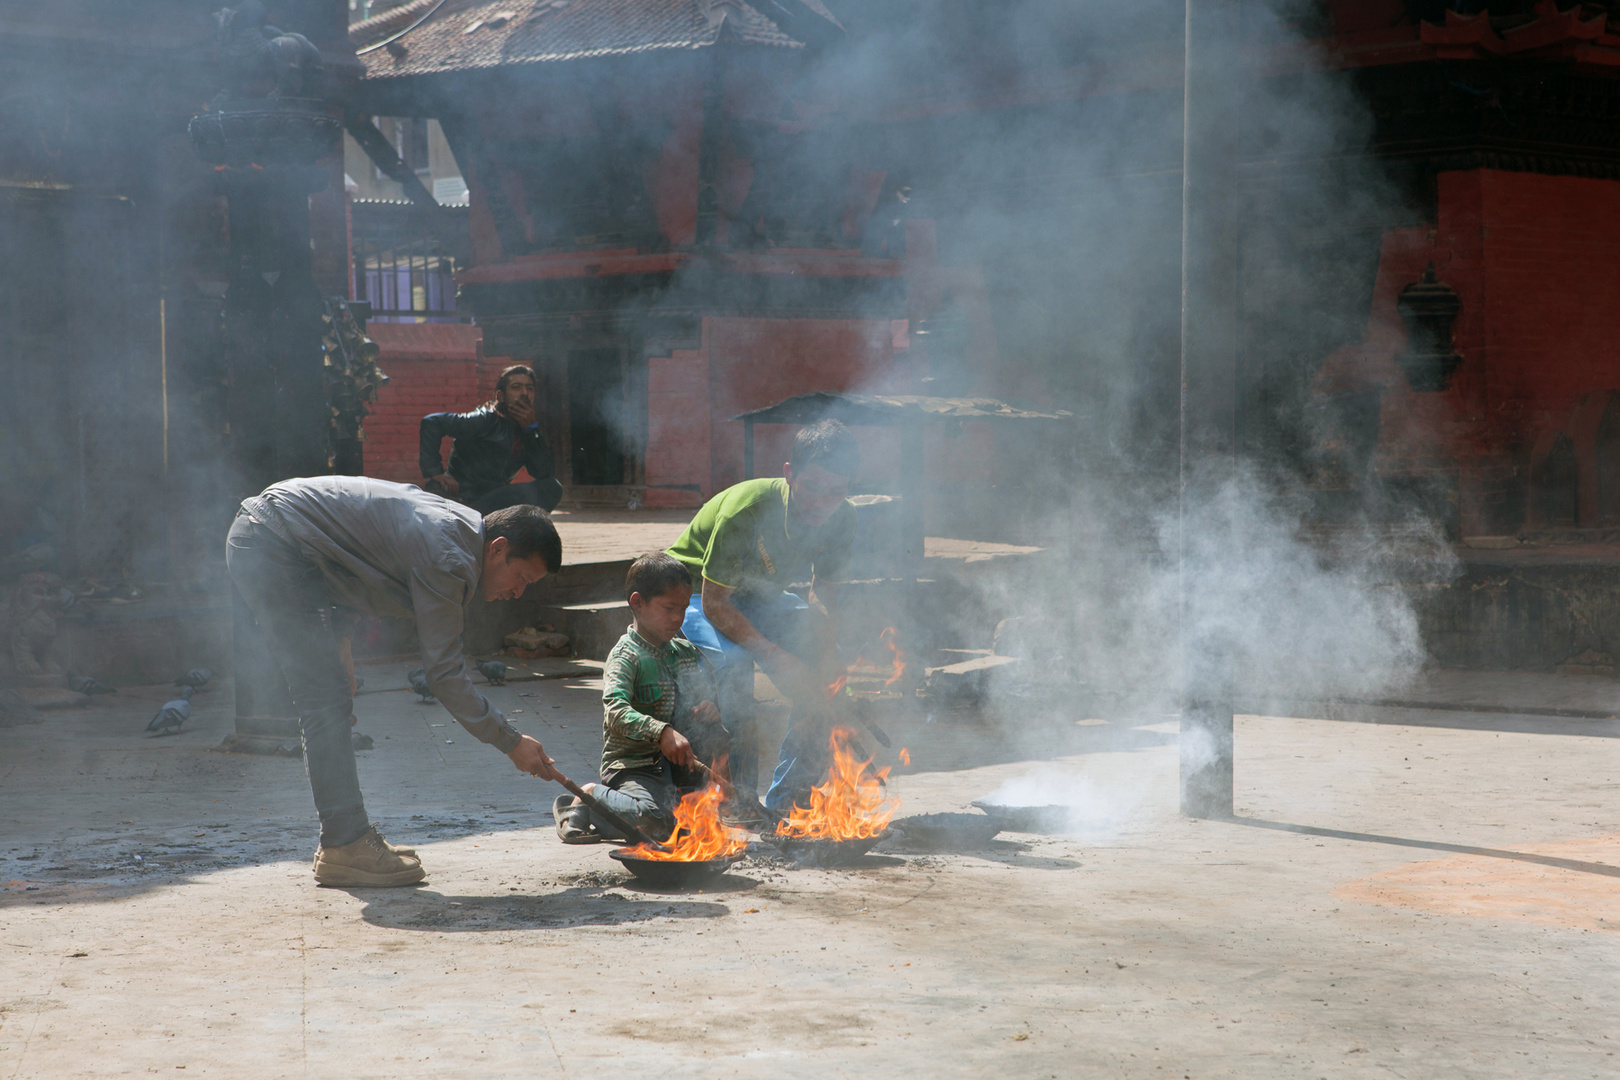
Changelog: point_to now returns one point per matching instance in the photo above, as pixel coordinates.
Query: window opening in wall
(413, 282)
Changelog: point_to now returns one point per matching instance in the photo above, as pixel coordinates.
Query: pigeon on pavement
(84, 684)
(173, 715)
(417, 677)
(493, 670)
(195, 678)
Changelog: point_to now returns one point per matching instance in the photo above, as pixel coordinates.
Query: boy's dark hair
(529, 531)
(515, 369)
(826, 443)
(655, 574)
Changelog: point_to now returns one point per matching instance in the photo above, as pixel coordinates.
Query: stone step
(593, 628)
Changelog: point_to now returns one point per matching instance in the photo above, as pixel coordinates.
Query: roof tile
(469, 34)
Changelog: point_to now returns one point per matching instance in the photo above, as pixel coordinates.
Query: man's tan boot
(397, 849)
(367, 861)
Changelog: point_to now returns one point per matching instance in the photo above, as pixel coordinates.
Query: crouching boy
(659, 712)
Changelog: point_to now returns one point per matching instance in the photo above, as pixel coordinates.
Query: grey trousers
(287, 595)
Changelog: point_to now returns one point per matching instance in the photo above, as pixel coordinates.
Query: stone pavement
(1407, 893)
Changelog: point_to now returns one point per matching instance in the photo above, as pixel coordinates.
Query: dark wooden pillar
(277, 404)
(1209, 346)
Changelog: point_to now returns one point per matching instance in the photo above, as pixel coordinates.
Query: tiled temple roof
(461, 35)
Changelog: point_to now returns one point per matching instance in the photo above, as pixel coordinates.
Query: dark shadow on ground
(729, 882)
(864, 862)
(1433, 845)
(1014, 853)
(424, 909)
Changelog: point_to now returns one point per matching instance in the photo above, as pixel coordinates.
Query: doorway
(601, 420)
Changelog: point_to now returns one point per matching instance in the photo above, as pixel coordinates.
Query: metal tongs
(624, 825)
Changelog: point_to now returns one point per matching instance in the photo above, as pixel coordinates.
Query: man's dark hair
(655, 574)
(826, 443)
(515, 369)
(529, 532)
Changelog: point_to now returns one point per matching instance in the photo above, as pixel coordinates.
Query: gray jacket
(394, 549)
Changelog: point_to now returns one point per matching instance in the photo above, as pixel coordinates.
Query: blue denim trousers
(646, 797)
(287, 595)
(786, 621)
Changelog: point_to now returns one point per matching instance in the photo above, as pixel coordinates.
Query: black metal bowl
(822, 853)
(1029, 819)
(673, 873)
(948, 831)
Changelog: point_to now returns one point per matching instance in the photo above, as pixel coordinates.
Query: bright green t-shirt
(742, 539)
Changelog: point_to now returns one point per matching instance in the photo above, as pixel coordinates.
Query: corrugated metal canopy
(888, 410)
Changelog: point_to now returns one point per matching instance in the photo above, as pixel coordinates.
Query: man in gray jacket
(302, 547)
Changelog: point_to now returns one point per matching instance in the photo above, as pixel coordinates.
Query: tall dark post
(912, 519)
(1209, 345)
(263, 136)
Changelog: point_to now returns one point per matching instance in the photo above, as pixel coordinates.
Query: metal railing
(407, 284)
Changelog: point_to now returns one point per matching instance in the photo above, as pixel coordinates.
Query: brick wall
(678, 429)
(758, 362)
(1532, 258)
(432, 367)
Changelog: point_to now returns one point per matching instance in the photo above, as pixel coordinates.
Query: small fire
(698, 834)
(849, 805)
(892, 640)
(905, 756)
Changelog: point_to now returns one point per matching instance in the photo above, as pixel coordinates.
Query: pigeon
(84, 684)
(173, 714)
(494, 671)
(417, 677)
(195, 678)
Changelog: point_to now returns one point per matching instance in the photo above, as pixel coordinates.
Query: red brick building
(683, 209)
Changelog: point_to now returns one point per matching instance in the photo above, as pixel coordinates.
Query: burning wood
(892, 640)
(889, 639)
(698, 835)
(850, 804)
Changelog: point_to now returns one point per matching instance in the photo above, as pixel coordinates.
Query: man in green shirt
(746, 546)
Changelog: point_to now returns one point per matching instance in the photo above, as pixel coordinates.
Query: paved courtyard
(1407, 893)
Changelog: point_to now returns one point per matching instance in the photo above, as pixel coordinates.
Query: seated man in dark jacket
(490, 445)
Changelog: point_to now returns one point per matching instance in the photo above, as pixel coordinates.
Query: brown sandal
(573, 822)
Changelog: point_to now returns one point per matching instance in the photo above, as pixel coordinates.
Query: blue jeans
(645, 797)
(784, 620)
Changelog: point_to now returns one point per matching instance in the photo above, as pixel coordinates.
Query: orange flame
(892, 640)
(905, 756)
(698, 834)
(836, 687)
(849, 805)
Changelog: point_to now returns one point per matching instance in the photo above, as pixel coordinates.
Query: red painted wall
(758, 362)
(747, 364)
(1533, 259)
(415, 388)
(678, 429)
